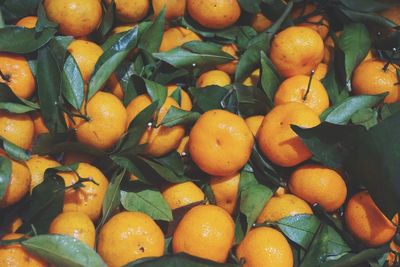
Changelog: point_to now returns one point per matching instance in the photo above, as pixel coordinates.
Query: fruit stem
(5, 77)
(309, 85)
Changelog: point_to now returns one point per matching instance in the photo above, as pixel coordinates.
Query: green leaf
(177, 116)
(173, 161)
(251, 101)
(194, 54)
(177, 260)
(252, 201)
(151, 39)
(12, 103)
(300, 229)
(156, 91)
(250, 6)
(16, 9)
(207, 98)
(270, 79)
(366, 6)
(149, 201)
(366, 117)
(22, 40)
(390, 109)
(42, 22)
(342, 113)
(5, 175)
(355, 42)
(264, 170)
(165, 172)
(63, 251)
(111, 59)
(108, 20)
(336, 93)
(14, 151)
(369, 17)
(73, 87)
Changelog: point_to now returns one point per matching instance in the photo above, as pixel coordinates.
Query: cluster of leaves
(358, 134)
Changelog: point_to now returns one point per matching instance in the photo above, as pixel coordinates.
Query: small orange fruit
(14, 225)
(220, 143)
(206, 231)
(276, 138)
(75, 17)
(129, 236)
(319, 184)
(254, 123)
(27, 22)
(321, 71)
(373, 77)
(186, 102)
(182, 194)
(174, 8)
(131, 11)
(177, 36)
(230, 67)
(213, 77)
(183, 147)
(17, 129)
(318, 23)
(123, 28)
(303, 89)
(16, 73)
(37, 166)
(75, 224)
(260, 23)
(214, 14)
(265, 246)
(281, 206)
(297, 50)
(367, 222)
(226, 190)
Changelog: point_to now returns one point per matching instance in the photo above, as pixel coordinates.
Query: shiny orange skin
(129, 236)
(281, 206)
(108, 119)
(182, 194)
(214, 14)
(319, 184)
(321, 71)
(18, 75)
(75, 17)
(75, 224)
(186, 102)
(18, 186)
(16, 256)
(254, 123)
(183, 147)
(294, 89)
(174, 8)
(160, 140)
(278, 141)
(230, 67)
(27, 22)
(213, 77)
(131, 11)
(265, 246)
(297, 50)
(206, 231)
(366, 222)
(37, 166)
(88, 199)
(86, 55)
(225, 190)
(370, 78)
(317, 23)
(220, 143)
(17, 128)
(260, 23)
(177, 36)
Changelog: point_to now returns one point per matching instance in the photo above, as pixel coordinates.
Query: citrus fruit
(226, 190)
(253, 79)
(131, 11)
(37, 166)
(183, 147)
(17, 128)
(27, 22)
(174, 8)
(213, 77)
(259, 22)
(318, 23)
(230, 67)
(321, 71)
(254, 123)
(177, 36)
(185, 101)
(182, 194)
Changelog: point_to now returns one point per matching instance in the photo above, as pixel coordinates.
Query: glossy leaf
(207, 98)
(369, 17)
(251, 6)
(73, 87)
(177, 116)
(107, 20)
(336, 91)
(365, 5)
(150, 40)
(165, 172)
(270, 79)
(43, 22)
(13, 151)
(5, 175)
(12, 103)
(16, 9)
(366, 117)
(156, 91)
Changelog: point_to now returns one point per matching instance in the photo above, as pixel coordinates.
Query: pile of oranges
(215, 148)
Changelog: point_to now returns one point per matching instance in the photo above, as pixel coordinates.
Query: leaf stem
(309, 85)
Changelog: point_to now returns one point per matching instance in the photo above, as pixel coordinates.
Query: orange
(75, 224)
(16, 256)
(321, 71)
(294, 89)
(18, 186)
(226, 191)
(160, 140)
(371, 78)
(107, 121)
(14, 225)
(182, 194)
(254, 123)
(183, 146)
(186, 102)
(17, 129)
(174, 8)
(213, 77)
(393, 14)
(88, 199)
(318, 23)
(27, 22)
(40, 126)
(123, 28)
(253, 79)
(391, 257)
(281, 206)
(230, 67)
(260, 23)
(214, 14)
(177, 36)
(16, 73)
(37, 166)
(75, 17)
(276, 138)
(131, 11)
(319, 184)
(220, 143)
(206, 231)
(86, 55)
(265, 246)
(129, 236)
(297, 50)
(366, 222)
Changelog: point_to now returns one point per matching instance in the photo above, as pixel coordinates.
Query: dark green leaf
(366, 117)
(156, 91)
(62, 250)
(390, 109)
(264, 169)
(336, 92)
(12, 103)
(250, 6)
(5, 175)
(365, 5)
(14, 151)
(108, 20)
(165, 172)
(207, 98)
(251, 101)
(270, 79)
(150, 40)
(16, 9)
(73, 87)
(42, 22)
(177, 116)
(367, 18)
